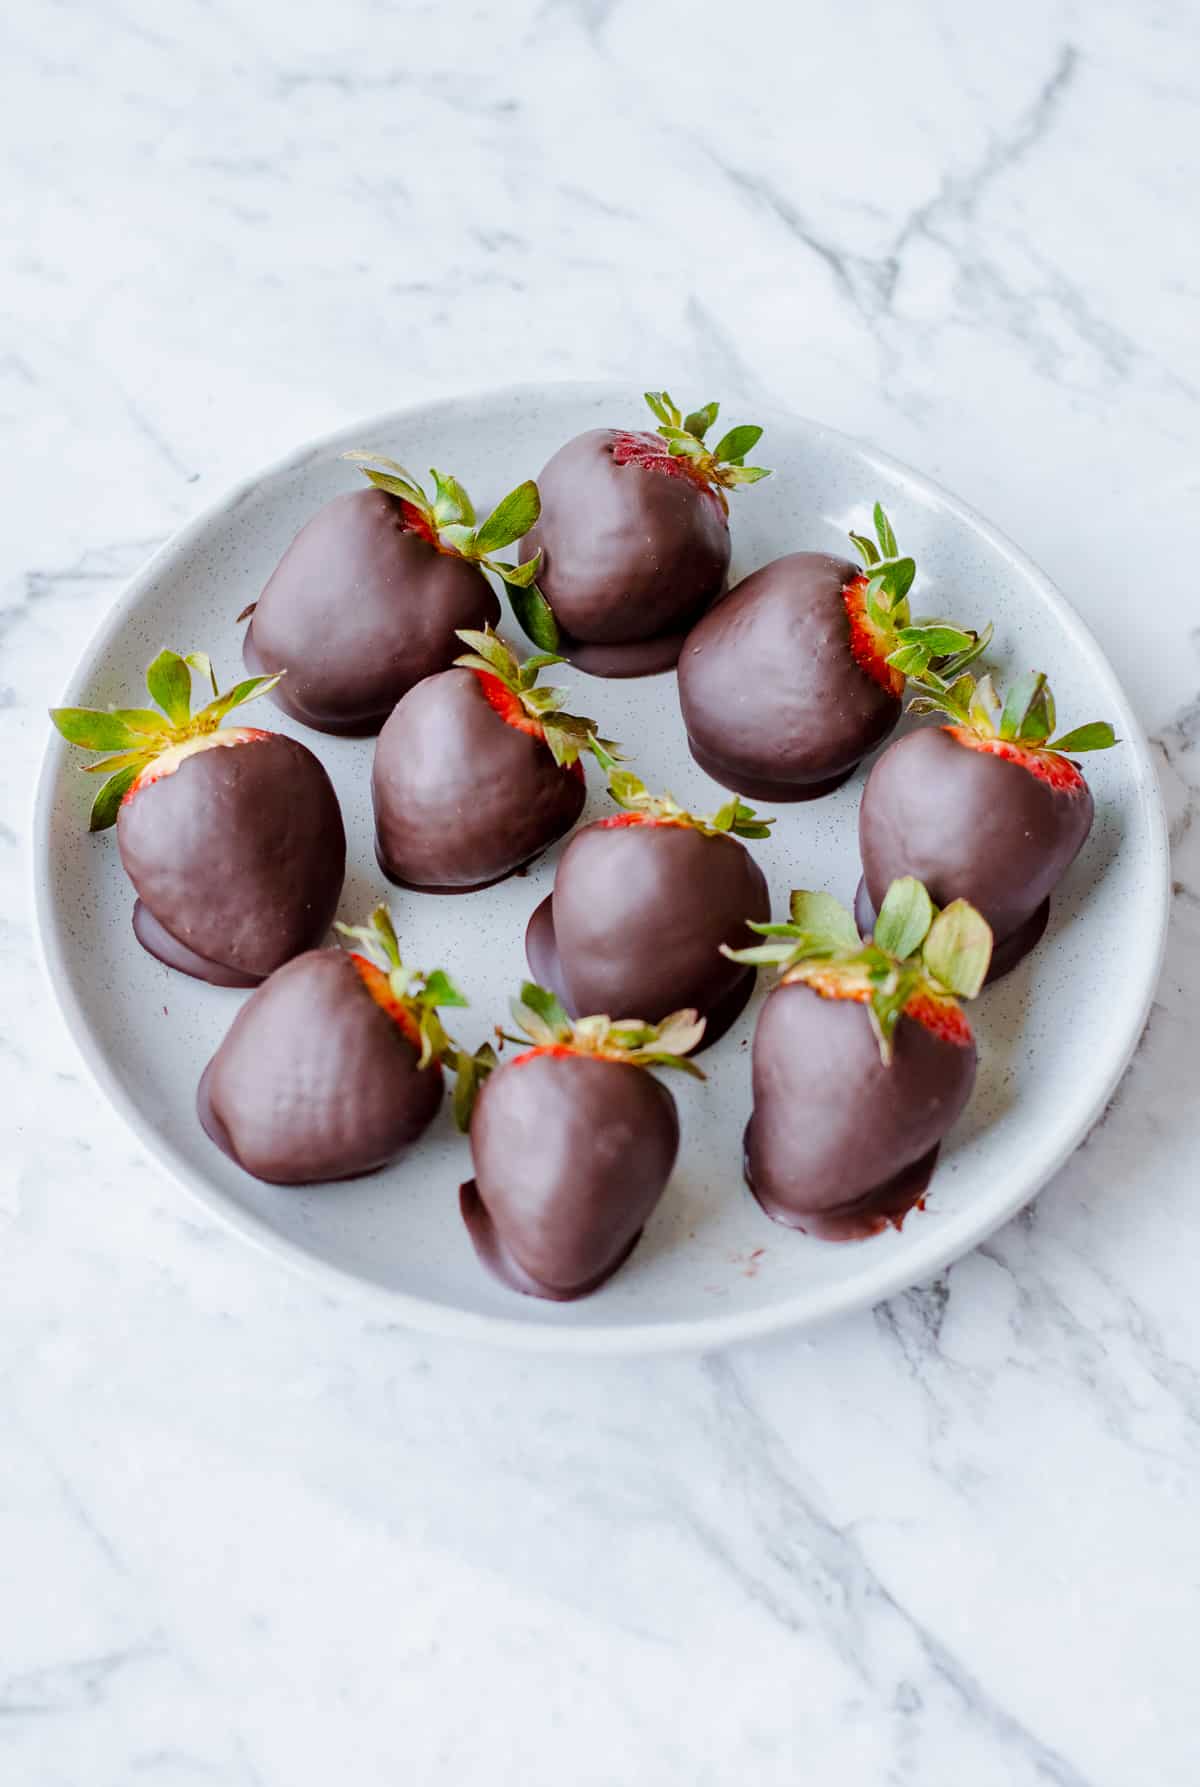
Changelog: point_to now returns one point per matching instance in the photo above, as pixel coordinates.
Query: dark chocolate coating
(774, 704)
(970, 826)
(571, 1155)
(627, 552)
(314, 1081)
(358, 610)
(240, 852)
(541, 951)
(640, 913)
(461, 797)
(832, 1126)
(158, 942)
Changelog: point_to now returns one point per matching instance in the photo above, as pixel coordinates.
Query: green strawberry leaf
(939, 641)
(248, 690)
(733, 447)
(745, 474)
(824, 919)
(1020, 703)
(510, 520)
(95, 730)
(701, 420)
(884, 533)
(170, 684)
(142, 720)
(904, 918)
(516, 576)
(867, 549)
(107, 803)
(451, 504)
(440, 990)
(958, 949)
(665, 411)
(1097, 736)
(545, 1006)
(203, 663)
(470, 1071)
(534, 616)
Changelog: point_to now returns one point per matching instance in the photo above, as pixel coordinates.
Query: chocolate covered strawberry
(231, 836)
(989, 808)
(643, 902)
(369, 596)
(632, 544)
(791, 680)
(477, 771)
(573, 1143)
(863, 1058)
(334, 1065)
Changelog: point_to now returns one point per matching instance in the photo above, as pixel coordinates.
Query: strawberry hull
(571, 1155)
(238, 854)
(358, 610)
(971, 825)
(462, 798)
(314, 1081)
(637, 918)
(775, 706)
(630, 555)
(839, 1144)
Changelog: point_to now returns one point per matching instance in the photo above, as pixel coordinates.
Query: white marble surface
(250, 1536)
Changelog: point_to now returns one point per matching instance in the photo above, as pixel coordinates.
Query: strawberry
(863, 1058)
(792, 679)
(477, 771)
(989, 808)
(231, 836)
(632, 544)
(370, 594)
(573, 1143)
(334, 1065)
(642, 903)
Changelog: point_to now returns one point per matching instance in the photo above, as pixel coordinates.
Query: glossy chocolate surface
(461, 797)
(838, 1144)
(628, 553)
(571, 1155)
(314, 1081)
(358, 610)
(774, 704)
(541, 952)
(640, 912)
(970, 826)
(172, 953)
(239, 853)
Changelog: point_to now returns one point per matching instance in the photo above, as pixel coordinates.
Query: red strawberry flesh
(1048, 766)
(379, 987)
(869, 646)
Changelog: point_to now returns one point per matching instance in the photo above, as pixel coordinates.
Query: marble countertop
(251, 1535)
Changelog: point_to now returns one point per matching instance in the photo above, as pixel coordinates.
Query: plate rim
(708, 1332)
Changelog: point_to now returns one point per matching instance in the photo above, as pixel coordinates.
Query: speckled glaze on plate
(1054, 1037)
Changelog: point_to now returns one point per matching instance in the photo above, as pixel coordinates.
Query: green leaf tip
(722, 467)
(566, 735)
(915, 950)
(545, 1022)
(631, 793)
(137, 735)
(1026, 717)
(422, 995)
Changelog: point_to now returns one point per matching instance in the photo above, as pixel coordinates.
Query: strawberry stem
(544, 1021)
(448, 521)
(916, 952)
(137, 735)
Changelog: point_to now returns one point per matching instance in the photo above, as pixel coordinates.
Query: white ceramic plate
(1054, 1036)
